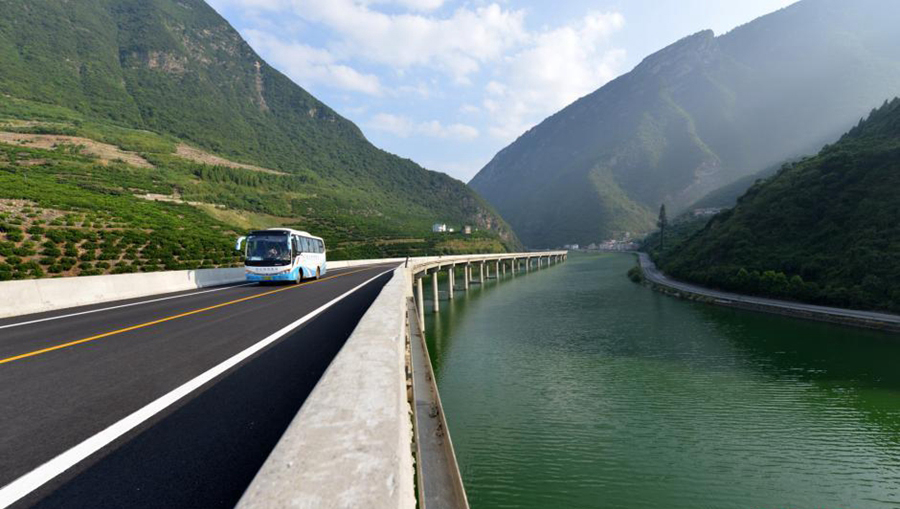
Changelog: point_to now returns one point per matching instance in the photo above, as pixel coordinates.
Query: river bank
(851, 317)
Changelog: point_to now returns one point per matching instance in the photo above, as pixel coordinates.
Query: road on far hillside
(652, 273)
(167, 401)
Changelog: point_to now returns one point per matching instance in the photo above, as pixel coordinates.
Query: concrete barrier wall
(351, 443)
(39, 295)
(341, 264)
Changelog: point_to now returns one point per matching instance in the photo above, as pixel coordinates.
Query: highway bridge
(209, 397)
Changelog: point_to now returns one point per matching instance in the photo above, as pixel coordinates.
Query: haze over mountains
(696, 116)
(178, 69)
(825, 229)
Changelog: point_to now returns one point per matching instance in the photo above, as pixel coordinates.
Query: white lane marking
(127, 305)
(33, 480)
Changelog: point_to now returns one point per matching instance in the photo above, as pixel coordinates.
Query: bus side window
(321, 246)
(305, 242)
(295, 245)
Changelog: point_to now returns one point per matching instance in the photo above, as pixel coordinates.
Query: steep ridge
(695, 116)
(177, 69)
(825, 229)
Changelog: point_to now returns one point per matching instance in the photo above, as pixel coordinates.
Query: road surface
(810, 310)
(166, 401)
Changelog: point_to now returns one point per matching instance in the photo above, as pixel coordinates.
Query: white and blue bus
(282, 254)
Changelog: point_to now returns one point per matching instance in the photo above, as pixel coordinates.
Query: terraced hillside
(73, 206)
(161, 102)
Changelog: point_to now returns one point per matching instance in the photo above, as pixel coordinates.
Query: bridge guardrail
(351, 444)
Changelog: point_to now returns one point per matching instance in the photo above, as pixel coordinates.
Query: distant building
(616, 245)
(572, 247)
(467, 230)
(439, 228)
(711, 211)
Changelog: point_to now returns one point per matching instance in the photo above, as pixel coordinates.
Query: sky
(450, 83)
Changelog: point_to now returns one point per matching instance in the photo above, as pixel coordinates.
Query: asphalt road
(68, 378)
(652, 273)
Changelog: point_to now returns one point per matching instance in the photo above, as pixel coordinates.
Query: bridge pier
(466, 276)
(451, 275)
(435, 290)
(481, 273)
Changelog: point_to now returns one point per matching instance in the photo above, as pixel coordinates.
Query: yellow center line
(167, 319)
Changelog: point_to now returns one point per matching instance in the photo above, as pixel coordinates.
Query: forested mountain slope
(824, 230)
(695, 116)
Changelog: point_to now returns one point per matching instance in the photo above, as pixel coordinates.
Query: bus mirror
(237, 246)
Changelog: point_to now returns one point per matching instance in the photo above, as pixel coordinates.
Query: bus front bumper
(284, 276)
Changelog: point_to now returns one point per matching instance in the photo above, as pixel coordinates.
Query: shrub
(635, 274)
(24, 251)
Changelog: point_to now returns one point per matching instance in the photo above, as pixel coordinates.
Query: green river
(572, 387)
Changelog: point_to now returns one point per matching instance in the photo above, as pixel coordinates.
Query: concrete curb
(39, 295)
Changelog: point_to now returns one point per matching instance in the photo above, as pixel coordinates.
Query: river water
(572, 387)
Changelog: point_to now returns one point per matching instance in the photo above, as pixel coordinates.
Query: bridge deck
(200, 450)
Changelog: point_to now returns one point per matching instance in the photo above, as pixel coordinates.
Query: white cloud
(478, 61)
(469, 109)
(558, 67)
(404, 127)
(397, 125)
(416, 5)
(457, 45)
(310, 66)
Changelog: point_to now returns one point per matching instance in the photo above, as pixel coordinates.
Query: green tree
(662, 222)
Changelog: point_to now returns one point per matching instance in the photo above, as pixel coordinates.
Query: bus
(282, 254)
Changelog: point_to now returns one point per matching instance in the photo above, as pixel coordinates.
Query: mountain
(727, 195)
(695, 116)
(825, 229)
(174, 85)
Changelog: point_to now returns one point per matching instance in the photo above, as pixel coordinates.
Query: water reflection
(572, 387)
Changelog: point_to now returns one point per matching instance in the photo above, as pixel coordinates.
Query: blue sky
(450, 83)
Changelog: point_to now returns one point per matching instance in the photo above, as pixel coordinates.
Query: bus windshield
(268, 250)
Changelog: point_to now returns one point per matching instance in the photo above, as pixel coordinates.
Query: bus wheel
(299, 277)
(318, 273)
